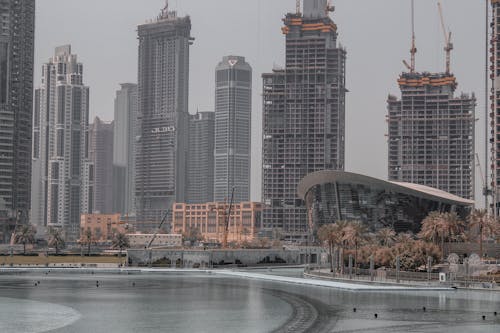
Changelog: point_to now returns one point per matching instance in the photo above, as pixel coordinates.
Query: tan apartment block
(209, 219)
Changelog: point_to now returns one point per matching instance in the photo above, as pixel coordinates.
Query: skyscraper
(431, 134)
(495, 105)
(60, 153)
(162, 117)
(125, 127)
(17, 33)
(101, 157)
(304, 116)
(233, 113)
(200, 172)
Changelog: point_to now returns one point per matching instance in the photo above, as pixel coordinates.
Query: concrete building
(303, 116)
(60, 154)
(245, 221)
(162, 116)
(431, 134)
(332, 196)
(495, 105)
(125, 128)
(103, 227)
(233, 121)
(17, 34)
(140, 241)
(101, 157)
(200, 172)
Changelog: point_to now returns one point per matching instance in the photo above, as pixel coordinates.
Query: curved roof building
(336, 195)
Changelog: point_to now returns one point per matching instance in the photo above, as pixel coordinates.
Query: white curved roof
(327, 176)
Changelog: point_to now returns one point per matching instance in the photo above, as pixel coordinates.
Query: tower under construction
(304, 116)
(431, 131)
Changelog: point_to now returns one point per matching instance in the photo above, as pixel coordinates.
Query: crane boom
(413, 50)
(226, 220)
(297, 7)
(447, 39)
(159, 228)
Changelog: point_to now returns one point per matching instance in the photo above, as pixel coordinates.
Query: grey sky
(375, 33)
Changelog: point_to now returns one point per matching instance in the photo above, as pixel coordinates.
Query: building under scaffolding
(431, 134)
(162, 116)
(304, 116)
(495, 103)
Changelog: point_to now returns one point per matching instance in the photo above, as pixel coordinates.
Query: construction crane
(226, 220)
(486, 190)
(297, 7)
(413, 50)
(447, 38)
(159, 229)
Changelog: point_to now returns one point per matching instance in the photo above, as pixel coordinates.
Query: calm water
(200, 302)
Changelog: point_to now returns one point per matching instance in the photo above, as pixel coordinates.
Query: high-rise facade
(17, 33)
(495, 105)
(233, 113)
(125, 127)
(304, 116)
(200, 165)
(431, 134)
(101, 157)
(60, 152)
(162, 116)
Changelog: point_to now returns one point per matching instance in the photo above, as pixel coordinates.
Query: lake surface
(201, 302)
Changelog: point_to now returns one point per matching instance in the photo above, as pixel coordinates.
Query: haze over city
(376, 35)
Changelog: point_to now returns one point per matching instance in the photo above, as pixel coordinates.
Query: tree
(192, 234)
(485, 225)
(56, 239)
(120, 241)
(355, 234)
(386, 236)
(87, 238)
(441, 227)
(25, 235)
(327, 235)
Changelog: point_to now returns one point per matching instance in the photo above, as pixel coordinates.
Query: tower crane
(447, 38)
(329, 7)
(297, 7)
(413, 50)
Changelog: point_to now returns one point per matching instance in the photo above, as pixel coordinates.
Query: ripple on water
(18, 315)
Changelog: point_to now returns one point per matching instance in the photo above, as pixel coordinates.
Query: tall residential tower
(495, 105)
(304, 116)
(233, 113)
(125, 127)
(60, 152)
(17, 34)
(162, 116)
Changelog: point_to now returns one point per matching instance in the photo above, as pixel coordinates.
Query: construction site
(430, 130)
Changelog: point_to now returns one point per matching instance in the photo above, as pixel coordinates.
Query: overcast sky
(376, 34)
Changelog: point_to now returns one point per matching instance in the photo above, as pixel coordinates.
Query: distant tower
(125, 128)
(101, 157)
(60, 164)
(495, 105)
(17, 34)
(431, 132)
(233, 114)
(200, 172)
(304, 116)
(162, 116)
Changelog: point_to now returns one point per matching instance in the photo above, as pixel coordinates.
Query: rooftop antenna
(297, 7)
(413, 51)
(447, 37)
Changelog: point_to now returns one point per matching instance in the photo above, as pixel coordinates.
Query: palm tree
(432, 227)
(485, 224)
(87, 238)
(386, 236)
(327, 235)
(56, 239)
(26, 235)
(355, 233)
(120, 241)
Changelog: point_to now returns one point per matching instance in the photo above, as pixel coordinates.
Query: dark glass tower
(17, 33)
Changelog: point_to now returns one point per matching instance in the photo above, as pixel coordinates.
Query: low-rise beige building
(161, 240)
(102, 226)
(209, 218)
